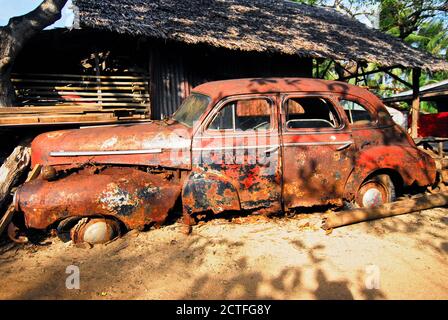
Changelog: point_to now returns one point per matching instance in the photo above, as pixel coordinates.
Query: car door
(240, 140)
(317, 149)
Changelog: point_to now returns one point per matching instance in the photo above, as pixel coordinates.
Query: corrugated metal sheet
(176, 69)
(170, 83)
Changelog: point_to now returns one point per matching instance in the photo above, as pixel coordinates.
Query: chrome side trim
(219, 134)
(299, 132)
(348, 144)
(236, 147)
(324, 143)
(102, 153)
(274, 146)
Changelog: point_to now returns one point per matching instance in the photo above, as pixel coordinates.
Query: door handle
(272, 149)
(345, 146)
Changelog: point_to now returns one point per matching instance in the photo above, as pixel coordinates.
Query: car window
(243, 115)
(191, 109)
(310, 112)
(356, 113)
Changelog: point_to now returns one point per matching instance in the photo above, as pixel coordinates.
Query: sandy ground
(247, 258)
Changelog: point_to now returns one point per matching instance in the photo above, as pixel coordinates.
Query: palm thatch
(254, 25)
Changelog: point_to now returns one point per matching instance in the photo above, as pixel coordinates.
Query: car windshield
(191, 109)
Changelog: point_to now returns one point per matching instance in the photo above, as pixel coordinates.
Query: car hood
(155, 143)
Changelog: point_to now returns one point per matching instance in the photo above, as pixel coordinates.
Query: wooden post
(415, 111)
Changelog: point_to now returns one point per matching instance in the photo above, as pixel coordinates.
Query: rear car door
(317, 149)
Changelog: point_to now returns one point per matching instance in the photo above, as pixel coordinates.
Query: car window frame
(329, 97)
(223, 102)
(363, 103)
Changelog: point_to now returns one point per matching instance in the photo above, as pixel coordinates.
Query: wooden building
(132, 60)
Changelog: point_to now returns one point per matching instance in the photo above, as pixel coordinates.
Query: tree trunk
(15, 34)
(12, 169)
(6, 54)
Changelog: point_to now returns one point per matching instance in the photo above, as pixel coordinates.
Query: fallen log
(12, 169)
(419, 203)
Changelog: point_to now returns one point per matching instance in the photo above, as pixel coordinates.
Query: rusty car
(263, 146)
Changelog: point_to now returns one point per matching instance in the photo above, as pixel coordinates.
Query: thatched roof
(254, 25)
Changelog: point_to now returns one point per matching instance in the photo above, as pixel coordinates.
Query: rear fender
(412, 164)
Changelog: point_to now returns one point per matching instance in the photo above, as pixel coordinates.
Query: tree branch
(16, 33)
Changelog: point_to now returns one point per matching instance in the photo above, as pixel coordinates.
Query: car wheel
(95, 230)
(90, 230)
(375, 191)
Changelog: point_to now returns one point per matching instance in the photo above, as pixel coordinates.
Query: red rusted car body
(263, 145)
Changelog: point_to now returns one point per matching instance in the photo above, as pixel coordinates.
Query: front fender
(209, 190)
(412, 164)
(130, 195)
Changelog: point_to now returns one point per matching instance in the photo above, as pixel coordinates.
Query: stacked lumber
(70, 98)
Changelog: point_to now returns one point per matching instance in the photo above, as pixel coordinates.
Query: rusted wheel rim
(95, 231)
(372, 194)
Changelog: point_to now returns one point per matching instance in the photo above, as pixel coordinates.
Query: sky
(11, 8)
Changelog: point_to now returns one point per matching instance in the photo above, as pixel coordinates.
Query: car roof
(224, 88)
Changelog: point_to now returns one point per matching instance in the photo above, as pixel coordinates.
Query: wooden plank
(76, 76)
(67, 88)
(30, 119)
(43, 99)
(114, 120)
(110, 104)
(10, 118)
(71, 109)
(106, 94)
(30, 81)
